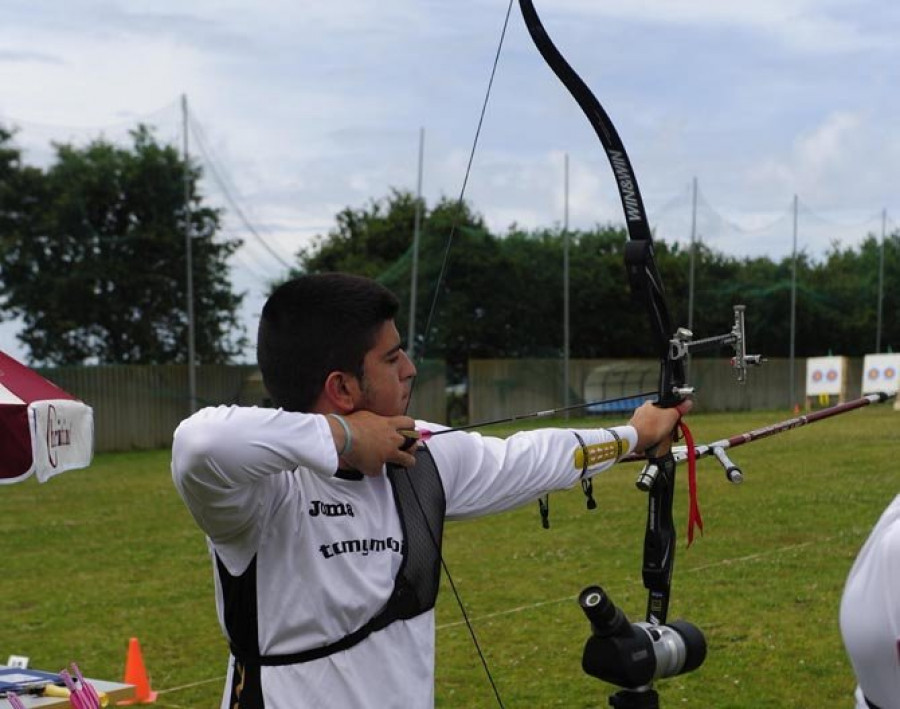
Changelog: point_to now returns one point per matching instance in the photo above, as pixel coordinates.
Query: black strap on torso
(421, 505)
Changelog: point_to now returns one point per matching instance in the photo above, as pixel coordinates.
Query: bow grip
(659, 540)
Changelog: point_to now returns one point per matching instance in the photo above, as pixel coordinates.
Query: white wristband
(348, 436)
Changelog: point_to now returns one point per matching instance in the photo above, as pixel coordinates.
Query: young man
(324, 521)
(870, 614)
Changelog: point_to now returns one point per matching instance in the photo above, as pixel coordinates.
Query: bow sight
(683, 344)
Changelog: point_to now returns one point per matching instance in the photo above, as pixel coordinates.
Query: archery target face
(825, 375)
(881, 372)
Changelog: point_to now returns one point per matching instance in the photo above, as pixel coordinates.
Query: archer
(338, 609)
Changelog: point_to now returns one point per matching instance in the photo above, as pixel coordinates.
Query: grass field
(97, 556)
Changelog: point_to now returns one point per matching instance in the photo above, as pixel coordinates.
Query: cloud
(109, 21)
(839, 162)
(309, 107)
(16, 56)
(803, 25)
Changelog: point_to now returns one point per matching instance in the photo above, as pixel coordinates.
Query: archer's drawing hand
(376, 441)
(655, 425)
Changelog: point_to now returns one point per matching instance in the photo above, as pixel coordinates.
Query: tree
(366, 241)
(92, 256)
(850, 278)
(501, 296)
(376, 241)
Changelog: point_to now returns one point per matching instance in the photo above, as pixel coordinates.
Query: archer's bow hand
(655, 426)
(374, 441)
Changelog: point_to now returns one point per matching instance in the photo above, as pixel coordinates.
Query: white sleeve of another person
(870, 614)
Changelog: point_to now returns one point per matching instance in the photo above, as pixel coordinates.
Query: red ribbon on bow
(694, 518)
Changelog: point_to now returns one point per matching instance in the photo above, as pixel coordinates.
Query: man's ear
(341, 391)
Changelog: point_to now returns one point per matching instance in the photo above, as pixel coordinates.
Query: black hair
(314, 325)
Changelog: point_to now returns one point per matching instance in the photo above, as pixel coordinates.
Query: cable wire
(227, 193)
(429, 320)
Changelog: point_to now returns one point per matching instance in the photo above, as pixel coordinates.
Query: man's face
(387, 374)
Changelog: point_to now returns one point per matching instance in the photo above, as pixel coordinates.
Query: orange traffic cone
(136, 674)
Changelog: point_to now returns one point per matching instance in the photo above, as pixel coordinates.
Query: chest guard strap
(419, 496)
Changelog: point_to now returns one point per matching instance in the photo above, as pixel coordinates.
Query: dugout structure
(617, 379)
(505, 387)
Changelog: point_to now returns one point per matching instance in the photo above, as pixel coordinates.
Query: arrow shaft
(708, 449)
(537, 414)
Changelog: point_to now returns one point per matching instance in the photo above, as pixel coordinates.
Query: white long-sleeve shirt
(870, 613)
(261, 484)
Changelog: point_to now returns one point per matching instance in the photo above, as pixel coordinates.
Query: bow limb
(647, 287)
(643, 275)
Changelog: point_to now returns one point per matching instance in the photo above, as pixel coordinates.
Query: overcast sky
(304, 108)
